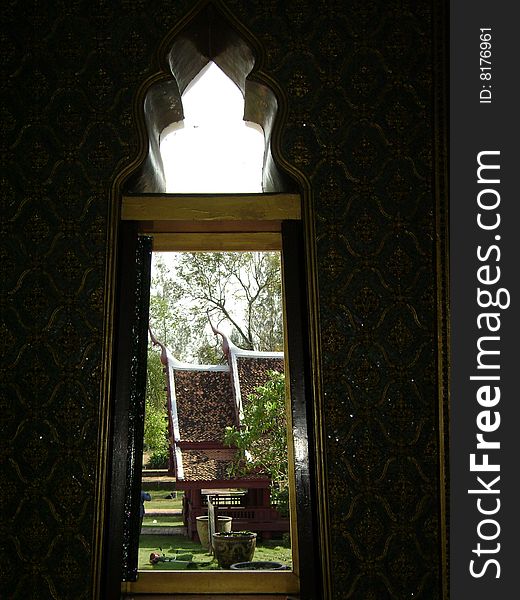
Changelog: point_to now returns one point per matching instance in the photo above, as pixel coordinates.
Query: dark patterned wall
(360, 127)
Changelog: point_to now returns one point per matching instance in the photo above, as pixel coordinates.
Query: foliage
(234, 534)
(262, 436)
(167, 309)
(242, 289)
(155, 416)
(155, 381)
(158, 459)
(155, 427)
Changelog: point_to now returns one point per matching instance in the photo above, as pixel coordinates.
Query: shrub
(262, 437)
(158, 459)
(155, 427)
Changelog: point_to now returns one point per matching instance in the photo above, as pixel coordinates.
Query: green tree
(242, 289)
(155, 428)
(261, 439)
(155, 381)
(168, 311)
(155, 421)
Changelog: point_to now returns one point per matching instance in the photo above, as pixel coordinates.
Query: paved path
(156, 512)
(163, 529)
(175, 530)
(158, 478)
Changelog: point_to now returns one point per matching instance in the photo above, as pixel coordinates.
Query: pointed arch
(213, 150)
(208, 36)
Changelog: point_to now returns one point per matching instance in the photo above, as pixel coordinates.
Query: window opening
(207, 403)
(226, 406)
(213, 150)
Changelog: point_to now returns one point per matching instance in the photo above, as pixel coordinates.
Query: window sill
(221, 584)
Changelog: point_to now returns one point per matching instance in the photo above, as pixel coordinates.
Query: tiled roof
(205, 404)
(205, 400)
(200, 465)
(252, 372)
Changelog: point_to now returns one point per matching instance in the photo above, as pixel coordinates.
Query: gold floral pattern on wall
(358, 77)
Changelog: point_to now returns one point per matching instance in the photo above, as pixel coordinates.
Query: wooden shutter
(134, 272)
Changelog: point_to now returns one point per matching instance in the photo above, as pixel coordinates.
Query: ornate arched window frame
(277, 219)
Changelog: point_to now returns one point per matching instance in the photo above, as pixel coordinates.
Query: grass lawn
(191, 555)
(161, 499)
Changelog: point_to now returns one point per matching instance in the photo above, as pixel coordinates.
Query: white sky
(213, 150)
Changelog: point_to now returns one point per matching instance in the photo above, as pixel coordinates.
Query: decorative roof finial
(156, 342)
(225, 340)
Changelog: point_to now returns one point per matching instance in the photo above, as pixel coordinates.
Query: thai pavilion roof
(203, 400)
(202, 403)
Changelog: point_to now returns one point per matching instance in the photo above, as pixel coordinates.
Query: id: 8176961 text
(485, 66)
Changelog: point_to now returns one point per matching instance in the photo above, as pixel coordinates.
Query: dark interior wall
(359, 81)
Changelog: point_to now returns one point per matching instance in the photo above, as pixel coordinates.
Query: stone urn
(223, 525)
(234, 547)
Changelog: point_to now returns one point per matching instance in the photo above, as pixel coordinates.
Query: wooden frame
(223, 242)
(236, 221)
(214, 582)
(216, 207)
